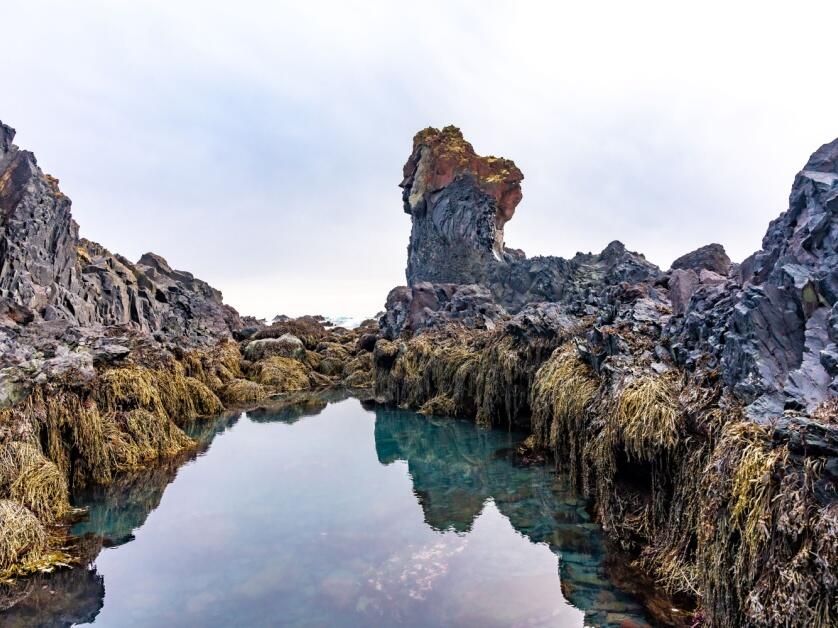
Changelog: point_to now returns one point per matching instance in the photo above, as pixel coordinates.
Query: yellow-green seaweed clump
(23, 539)
(281, 374)
(563, 390)
(243, 391)
(29, 478)
(648, 418)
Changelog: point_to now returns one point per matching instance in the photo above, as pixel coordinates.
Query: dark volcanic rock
(578, 280)
(426, 305)
(709, 257)
(773, 329)
(46, 269)
(459, 203)
(768, 325)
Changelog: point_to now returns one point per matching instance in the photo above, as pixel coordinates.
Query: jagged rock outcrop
(697, 408)
(709, 257)
(47, 270)
(458, 203)
(576, 281)
(771, 326)
(426, 305)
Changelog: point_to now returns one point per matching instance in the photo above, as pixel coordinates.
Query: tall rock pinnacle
(459, 203)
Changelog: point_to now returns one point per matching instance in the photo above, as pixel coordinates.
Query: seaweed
(27, 477)
(240, 391)
(281, 374)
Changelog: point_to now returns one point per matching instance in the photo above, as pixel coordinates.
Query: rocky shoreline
(104, 361)
(696, 407)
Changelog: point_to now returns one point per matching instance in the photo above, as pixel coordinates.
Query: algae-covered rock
(243, 391)
(286, 346)
(281, 374)
(23, 539)
(358, 372)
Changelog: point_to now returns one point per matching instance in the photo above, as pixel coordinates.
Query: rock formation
(459, 203)
(103, 362)
(46, 269)
(697, 407)
(772, 326)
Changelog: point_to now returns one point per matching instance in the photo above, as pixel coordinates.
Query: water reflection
(326, 539)
(456, 470)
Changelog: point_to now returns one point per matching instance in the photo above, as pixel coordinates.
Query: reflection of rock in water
(72, 596)
(116, 510)
(455, 468)
(448, 460)
(63, 598)
(295, 406)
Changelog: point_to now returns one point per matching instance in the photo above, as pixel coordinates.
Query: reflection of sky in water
(354, 518)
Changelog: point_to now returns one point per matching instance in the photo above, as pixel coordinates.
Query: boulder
(286, 346)
(709, 257)
(682, 285)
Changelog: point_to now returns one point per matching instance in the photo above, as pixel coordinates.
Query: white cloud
(259, 145)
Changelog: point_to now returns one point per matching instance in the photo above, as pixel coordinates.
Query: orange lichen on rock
(440, 156)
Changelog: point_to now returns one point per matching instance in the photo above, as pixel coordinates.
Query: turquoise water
(327, 513)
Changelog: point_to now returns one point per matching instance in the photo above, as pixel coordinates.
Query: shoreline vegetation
(130, 417)
(694, 408)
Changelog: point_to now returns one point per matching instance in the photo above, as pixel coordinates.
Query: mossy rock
(243, 391)
(281, 374)
(286, 346)
(361, 363)
(331, 367)
(333, 350)
(23, 539)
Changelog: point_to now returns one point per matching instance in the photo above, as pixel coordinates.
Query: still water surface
(319, 514)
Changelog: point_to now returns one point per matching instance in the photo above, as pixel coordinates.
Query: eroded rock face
(577, 281)
(783, 329)
(459, 203)
(426, 306)
(768, 326)
(51, 273)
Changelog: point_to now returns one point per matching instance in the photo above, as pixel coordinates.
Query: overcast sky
(260, 145)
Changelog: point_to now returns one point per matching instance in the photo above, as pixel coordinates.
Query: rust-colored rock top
(439, 156)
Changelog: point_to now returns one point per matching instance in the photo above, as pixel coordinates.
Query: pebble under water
(326, 513)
